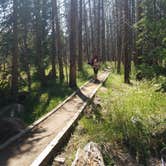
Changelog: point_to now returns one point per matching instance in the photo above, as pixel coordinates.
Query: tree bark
(38, 42)
(138, 17)
(26, 16)
(86, 36)
(59, 43)
(80, 63)
(73, 18)
(118, 36)
(53, 73)
(103, 33)
(92, 29)
(15, 54)
(98, 29)
(126, 44)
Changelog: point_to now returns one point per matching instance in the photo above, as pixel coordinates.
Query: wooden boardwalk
(35, 146)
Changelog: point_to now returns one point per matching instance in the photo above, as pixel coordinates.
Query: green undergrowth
(131, 115)
(41, 100)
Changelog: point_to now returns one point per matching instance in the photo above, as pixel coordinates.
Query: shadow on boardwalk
(82, 96)
(29, 139)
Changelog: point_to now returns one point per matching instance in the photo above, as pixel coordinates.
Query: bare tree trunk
(107, 41)
(92, 30)
(86, 40)
(59, 43)
(27, 64)
(38, 42)
(98, 29)
(14, 83)
(126, 45)
(73, 18)
(25, 37)
(80, 63)
(66, 64)
(133, 31)
(138, 17)
(103, 33)
(118, 36)
(53, 72)
(114, 27)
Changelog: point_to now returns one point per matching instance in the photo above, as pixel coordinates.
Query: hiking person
(95, 65)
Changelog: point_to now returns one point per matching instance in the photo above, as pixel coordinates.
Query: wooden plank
(30, 127)
(45, 156)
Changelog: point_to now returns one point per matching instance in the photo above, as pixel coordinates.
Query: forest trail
(30, 148)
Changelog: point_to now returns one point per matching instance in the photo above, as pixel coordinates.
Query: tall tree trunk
(53, 72)
(14, 83)
(25, 37)
(138, 17)
(86, 37)
(112, 48)
(38, 42)
(98, 29)
(118, 36)
(114, 44)
(66, 63)
(126, 44)
(95, 22)
(27, 64)
(73, 18)
(59, 43)
(103, 33)
(91, 26)
(80, 63)
(133, 31)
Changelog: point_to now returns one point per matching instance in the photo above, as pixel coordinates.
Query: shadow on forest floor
(41, 99)
(36, 103)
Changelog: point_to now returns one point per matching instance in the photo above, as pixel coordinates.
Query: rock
(97, 102)
(89, 156)
(59, 161)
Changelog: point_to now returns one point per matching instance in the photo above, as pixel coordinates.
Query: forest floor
(127, 121)
(27, 148)
(17, 115)
(40, 100)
